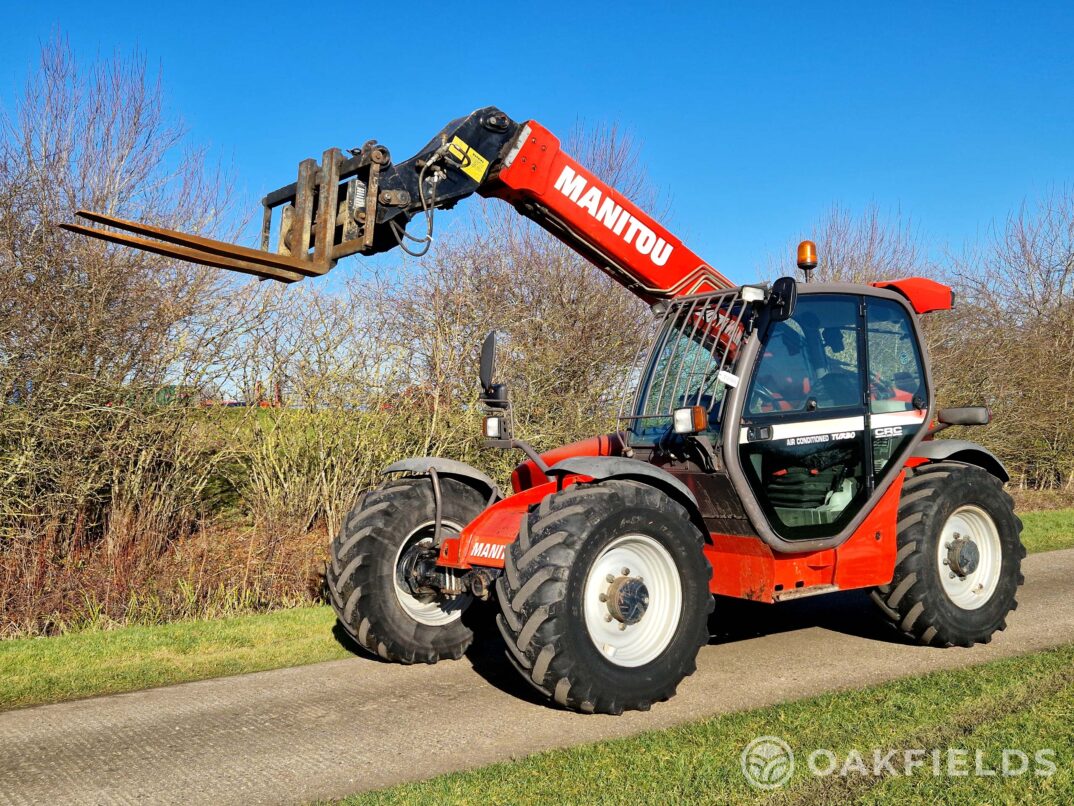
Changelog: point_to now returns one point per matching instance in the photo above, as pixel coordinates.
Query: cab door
(802, 441)
(898, 391)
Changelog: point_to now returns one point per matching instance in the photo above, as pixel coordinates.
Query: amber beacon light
(807, 258)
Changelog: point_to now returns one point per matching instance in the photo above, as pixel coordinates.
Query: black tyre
(604, 600)
(959, 558)
(368, 592)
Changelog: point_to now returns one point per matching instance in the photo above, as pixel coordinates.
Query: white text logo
(613, 216)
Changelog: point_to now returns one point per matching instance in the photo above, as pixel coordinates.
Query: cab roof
(924, 295)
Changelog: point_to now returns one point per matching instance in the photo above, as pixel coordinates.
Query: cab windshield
(689, 364)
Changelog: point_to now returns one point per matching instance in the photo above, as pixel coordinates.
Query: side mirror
(964, 415)
(488, 361)
(493, 395)
(783, 298)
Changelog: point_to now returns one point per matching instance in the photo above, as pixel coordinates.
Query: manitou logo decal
(492, 551)
(613, 216)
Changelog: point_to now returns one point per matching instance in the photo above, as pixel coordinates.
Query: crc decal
(892, 431)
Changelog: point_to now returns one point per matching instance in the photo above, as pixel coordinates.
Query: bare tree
(87, 329)
(72, 308)
(1010, 340)
(861, 248)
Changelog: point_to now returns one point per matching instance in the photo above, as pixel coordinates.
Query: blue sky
(754, 118)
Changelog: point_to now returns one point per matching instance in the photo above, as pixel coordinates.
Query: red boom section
(618, 237)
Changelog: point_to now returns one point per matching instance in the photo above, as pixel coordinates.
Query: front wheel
(367, 573)
(604, 598)
(958, 565)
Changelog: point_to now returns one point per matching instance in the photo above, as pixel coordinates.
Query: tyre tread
(534, 582)
(905, 601)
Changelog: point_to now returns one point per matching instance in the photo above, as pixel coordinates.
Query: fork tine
(179, 252)
(208, 245)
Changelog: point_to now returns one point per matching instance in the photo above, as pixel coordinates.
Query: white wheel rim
(974, 589)
(638, 643)
(441, 611)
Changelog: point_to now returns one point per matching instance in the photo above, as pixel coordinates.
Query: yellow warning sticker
(472, 163)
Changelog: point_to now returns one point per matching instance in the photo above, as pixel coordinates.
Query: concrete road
(331, 729)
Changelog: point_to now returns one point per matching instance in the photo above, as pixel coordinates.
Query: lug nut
(607, 616)
(622, 625)
(602, 597)
(610, 578)
(625, 572)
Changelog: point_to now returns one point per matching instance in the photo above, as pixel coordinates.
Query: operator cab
(833, 393)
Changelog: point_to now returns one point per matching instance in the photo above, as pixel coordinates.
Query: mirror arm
(936, 429)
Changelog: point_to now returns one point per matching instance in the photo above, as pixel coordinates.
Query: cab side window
(898, 397)
(896, 378)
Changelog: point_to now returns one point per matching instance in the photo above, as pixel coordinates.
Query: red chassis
(743, 567)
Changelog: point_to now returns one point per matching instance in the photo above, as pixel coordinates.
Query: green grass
(39, 670)
(1048, 530)
(1022, 703)
(82, 664)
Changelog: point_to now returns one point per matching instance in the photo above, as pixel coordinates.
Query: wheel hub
(632, 600)
(627, 599)
(416, 565)
(963, 556)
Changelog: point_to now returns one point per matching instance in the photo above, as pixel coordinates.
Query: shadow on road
(488, 656)
(849, 612)
(344, 640)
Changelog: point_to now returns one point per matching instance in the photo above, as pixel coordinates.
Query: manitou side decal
(493, 551)
(613, 216)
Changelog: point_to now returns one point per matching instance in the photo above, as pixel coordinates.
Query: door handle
(759, 433)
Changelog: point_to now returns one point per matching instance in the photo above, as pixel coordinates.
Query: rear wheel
(959, 558)
(367, 573)
(604, 598)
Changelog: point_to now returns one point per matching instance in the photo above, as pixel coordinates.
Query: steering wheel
(767, 398)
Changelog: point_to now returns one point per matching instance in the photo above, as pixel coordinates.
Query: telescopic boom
(361, 204)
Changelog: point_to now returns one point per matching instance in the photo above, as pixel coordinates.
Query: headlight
(690, 420)
(494, 427)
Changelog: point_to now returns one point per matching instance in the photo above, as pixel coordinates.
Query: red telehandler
(778, 444)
